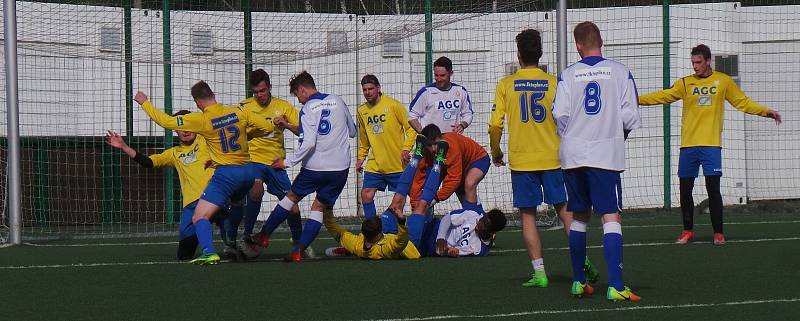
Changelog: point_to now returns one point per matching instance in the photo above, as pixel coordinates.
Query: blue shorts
(691, 158)
(185, 227)
(482, 164)
(594, 189)
(381, 181)
(532, 188)
(327, 185)
(277, 180)
(230, 182)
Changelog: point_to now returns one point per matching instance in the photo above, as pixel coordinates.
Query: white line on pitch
(23, 267)
(631, 308)
(80, 265)
(135, 244)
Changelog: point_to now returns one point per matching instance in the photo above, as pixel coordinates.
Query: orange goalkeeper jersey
(461, 153)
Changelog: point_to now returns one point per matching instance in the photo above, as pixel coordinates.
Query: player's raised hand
(115, 140)
(140, 97)
(498, 161)
(360, 165)
(774, 114)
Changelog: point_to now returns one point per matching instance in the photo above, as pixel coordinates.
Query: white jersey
(458, 229)
(596, 100)
(443, 108)
(325, 126)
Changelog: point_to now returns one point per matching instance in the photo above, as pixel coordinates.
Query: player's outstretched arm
(192, 122)
(441, 235)
(666, 96)
(115, 140)
(401, 241)
(740, 101)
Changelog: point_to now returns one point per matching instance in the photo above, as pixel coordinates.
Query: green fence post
(666, 110)
(428, 42)
(169, 175)
(248, 46)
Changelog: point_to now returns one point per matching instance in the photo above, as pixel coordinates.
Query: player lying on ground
(467, 232)
(371, 243)
(225, 132)
(193, 164)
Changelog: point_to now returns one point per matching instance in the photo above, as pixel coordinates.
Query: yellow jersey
(190, 162)
(225, 129)
(526, 99)
(390, 247)
(384, 128)
(704, 106)
(267, 148)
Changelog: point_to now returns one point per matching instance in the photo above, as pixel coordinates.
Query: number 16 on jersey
(531, 94)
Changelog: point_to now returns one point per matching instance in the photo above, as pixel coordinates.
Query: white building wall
(69, 88)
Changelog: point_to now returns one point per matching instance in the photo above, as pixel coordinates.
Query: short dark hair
(431, 132)
(370, 79)
(529, 46)
(301, 79)
(702, 50)
(588, 35)
(371, 228)
(201, 90)
(181, 112)
(497, 220)
(257, 76)
(444, 62)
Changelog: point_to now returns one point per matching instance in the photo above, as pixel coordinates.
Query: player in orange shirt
(458, 164)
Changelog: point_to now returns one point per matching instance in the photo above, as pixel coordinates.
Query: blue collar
(591, 60)
(318, 95)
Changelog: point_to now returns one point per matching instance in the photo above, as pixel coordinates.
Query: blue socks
(416, 225)
(612, 249)
(278, 215)
(295, 226)
(577, 249)
(252, 209)
(431, 185)
(369, 209)
(204, 238)
(403, 186)
(389, 222)
(310, 230)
